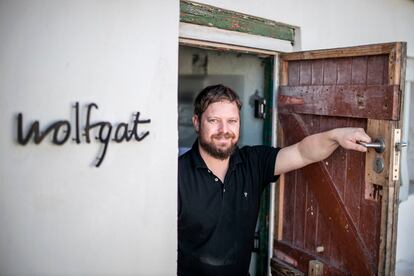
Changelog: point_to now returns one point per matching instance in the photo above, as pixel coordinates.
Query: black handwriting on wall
(105, 131)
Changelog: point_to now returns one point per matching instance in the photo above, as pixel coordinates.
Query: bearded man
(219, 185)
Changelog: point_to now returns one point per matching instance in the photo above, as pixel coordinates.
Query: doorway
(248, 75)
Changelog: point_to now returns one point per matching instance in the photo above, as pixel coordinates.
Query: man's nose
(223, 127)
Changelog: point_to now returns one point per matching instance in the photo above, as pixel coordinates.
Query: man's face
(218, 129)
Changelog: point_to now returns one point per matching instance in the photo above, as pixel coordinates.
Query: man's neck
(217, 166)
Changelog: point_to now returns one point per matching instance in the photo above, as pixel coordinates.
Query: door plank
(355, 185)
(396, 65)
(279, 268)
(344, 71)
(359, 70)
(365, 50)
(400, 72)
(299, 229)
(303, 258)
(279, 208)
(324, 238)
(305, 73)
(375, 70)
(396, 76)
(339, 158)
(280, 195)
(358, 257)
(379, 102)
(310, 220)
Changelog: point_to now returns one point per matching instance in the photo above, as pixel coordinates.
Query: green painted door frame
(263, 220)
(206, 15)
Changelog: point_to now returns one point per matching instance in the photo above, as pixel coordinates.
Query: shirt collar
(199, 162)
(195, 154)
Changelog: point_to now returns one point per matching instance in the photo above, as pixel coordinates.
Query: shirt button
(224, 190)
(216, 179)
(209, 171)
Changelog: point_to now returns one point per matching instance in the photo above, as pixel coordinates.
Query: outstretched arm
(319, 146)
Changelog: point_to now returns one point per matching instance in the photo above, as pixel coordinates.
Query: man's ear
(196, 123)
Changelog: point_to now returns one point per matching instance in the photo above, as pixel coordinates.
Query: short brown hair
(212, 94)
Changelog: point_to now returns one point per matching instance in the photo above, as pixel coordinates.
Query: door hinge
(397, 155)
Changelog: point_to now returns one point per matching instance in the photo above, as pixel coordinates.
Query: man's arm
(319, 146)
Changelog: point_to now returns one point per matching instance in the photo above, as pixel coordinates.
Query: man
(219, 185)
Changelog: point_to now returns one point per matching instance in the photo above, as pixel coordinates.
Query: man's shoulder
(258, 153)
(185, 158)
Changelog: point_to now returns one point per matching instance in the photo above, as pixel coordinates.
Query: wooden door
(339, 216)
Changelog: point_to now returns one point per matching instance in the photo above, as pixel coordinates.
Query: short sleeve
(266, 159)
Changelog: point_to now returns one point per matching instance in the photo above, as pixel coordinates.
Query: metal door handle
(378, 145)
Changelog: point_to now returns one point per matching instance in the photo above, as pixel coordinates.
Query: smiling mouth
(223, 137)
(223, 140)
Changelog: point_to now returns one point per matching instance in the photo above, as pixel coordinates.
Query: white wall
(405, 253)
(329, 24)
(58, 213)
(410, 148)
(405, 243)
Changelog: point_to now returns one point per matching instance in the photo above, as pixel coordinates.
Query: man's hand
(348, 137)
(319, 146)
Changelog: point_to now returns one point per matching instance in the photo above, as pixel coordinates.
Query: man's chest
(207, 202)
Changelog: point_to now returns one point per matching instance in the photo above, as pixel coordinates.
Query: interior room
(244, 73)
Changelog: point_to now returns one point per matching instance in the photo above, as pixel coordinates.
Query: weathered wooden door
(340, 213)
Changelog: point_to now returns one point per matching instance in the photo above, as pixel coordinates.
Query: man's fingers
(354, 136)
(362, 136)
(355, 146)
(349, 137)
(360, 148)
(365, 138)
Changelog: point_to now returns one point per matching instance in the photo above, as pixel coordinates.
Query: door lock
(378, 145)
(400, 145)
(379, 165)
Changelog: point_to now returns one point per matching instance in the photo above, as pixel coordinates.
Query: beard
(216, 152)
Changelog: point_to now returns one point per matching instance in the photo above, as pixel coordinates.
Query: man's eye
(213, 120)
(233, 121)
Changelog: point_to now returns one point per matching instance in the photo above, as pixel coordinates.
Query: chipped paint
(206, 15)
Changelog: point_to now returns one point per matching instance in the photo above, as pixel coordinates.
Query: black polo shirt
(216, 220)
